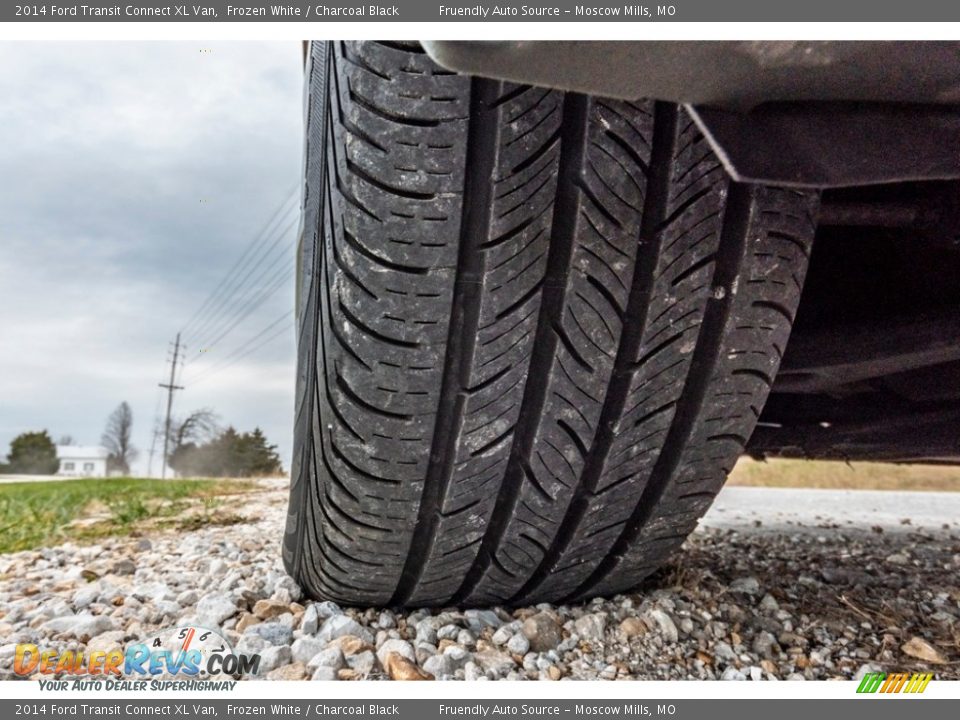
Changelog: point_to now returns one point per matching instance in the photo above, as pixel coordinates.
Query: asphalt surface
(789, 509)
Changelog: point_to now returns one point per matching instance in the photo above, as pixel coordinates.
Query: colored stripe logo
(894, 682)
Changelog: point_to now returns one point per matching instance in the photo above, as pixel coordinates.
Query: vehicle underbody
(872, 370)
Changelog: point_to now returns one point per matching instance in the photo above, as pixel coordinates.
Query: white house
(82, 461)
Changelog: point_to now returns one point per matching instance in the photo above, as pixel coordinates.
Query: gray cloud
(131, 177)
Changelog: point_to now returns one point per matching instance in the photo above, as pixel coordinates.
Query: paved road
(779, 509)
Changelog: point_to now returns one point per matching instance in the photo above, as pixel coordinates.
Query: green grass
(45, 513)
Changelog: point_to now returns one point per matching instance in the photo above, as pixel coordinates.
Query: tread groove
(732, 245)
(572, 149)
(637, 304)
(465, 319)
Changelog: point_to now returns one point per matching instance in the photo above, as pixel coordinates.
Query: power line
(281, 282)
(249, 252)
(277, 281)
(237, 352)
(223, 305)
(286, 328)
(257, 274)
(259, 238)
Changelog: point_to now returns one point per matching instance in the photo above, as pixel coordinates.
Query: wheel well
(872, 370)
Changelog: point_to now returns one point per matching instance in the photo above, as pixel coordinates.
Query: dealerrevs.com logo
(181, 658)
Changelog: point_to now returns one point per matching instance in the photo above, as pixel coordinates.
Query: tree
(229, 454)
(199, 426)
(186, 433)
(258, 456)
(116, 439)
(33, 453)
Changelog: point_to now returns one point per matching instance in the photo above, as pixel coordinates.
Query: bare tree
(197, 427)
(116, 439)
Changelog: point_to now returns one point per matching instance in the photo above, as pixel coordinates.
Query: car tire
(536, 330)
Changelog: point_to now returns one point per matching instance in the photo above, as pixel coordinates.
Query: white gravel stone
(188, 598)
(304, 649)
(397, 646)
(83, 626)
(273, 657)
(214, 608)
(340, 625)
(732, 673)
(502, 635)
(362, 662)
(440, 666)
(86, 596)
(330, 657)
(665, 624)
(324, 672)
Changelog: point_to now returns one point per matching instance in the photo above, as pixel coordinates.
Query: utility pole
(170, 387)
(153, 446)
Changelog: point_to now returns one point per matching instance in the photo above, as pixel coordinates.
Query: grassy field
(47, 513)
(840, 475)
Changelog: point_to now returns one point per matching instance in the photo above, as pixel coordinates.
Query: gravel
(798, 603)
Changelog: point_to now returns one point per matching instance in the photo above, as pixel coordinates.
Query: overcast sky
(132, 176)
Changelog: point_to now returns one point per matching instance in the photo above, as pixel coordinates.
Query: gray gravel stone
(426, 632)
(518, 644)
(477, 620)
(188, 598)
(310, 622)
(590, 627)
(458, 655)
(448, 632)
(327, 609)
(273, 657)
(746, 585)
(542, 631)
(275, 633)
